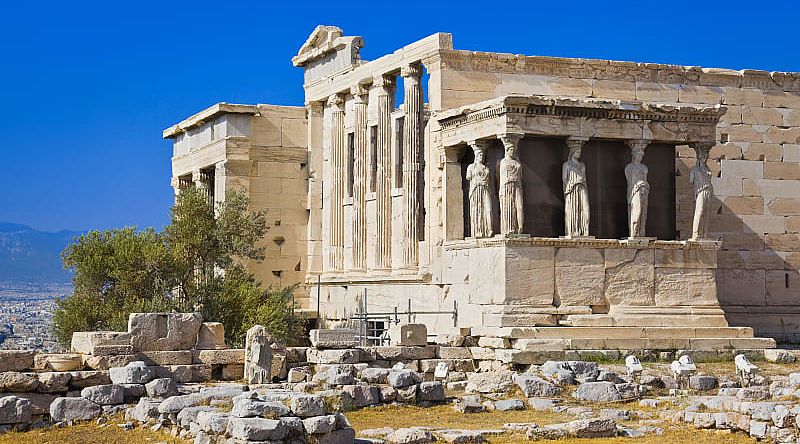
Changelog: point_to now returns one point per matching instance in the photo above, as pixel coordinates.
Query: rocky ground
(354, 403)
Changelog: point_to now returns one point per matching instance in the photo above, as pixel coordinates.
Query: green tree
(194, 264)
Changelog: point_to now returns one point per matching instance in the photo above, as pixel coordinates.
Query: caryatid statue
(576, 195)
(511, 209)
(480, 192)
(700, 178)
(638, 188)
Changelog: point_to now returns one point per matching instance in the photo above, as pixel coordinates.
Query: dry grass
(444, 416)
(91, 433)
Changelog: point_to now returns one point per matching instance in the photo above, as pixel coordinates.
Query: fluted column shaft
(412, 154)
(383, 176)
(359, 177)
(338, 163)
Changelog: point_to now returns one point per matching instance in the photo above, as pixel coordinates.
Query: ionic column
(383, 176)
(412, 153)
(219, 182)
(338, 152)
(360, 96)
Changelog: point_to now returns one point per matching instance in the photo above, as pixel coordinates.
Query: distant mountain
(30, 255)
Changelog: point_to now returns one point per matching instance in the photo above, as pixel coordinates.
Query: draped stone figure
(480, 193)
(638, 189)
(576, 195)
(511, 209)
(700, 178)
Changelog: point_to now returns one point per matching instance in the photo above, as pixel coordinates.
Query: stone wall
(756, 160)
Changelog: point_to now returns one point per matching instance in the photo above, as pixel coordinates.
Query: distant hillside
(29, 255)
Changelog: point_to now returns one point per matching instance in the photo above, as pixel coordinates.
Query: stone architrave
(258, 355)
(576, 193)
(638, 189)
(480, 192)
(512, 215)
(700, 178)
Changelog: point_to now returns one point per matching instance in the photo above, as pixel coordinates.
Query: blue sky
(87, 87)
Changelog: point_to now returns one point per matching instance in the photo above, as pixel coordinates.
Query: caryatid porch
(610, 256)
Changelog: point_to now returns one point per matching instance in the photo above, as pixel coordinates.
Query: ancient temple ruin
(521, 192)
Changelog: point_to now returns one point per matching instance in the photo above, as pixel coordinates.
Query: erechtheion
(522, 191)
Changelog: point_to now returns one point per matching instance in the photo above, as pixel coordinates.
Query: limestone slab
(579, 275)
(685, 287)
(629, 277)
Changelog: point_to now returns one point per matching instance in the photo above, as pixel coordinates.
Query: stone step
(604, 343)
(613, 332)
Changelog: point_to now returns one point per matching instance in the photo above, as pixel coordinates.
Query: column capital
(411, 70)
(315, 108)
(383, 82)
(479, 144)
(702, 147)
(510, 138)
(336, 102)
(574, 143)
(637, 144)
(359, 93)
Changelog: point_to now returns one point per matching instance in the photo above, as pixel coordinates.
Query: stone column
(510, 190)
(360, 96)
(700, 178)
(412, 154)
(638, 189)
(219, 182)
(576, 193)
(337, 187)
(315, 134)
(383, 177)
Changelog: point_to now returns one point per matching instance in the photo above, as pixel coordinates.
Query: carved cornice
(500, 241)
(593, 109)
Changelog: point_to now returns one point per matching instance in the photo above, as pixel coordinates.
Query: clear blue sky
(87, 87)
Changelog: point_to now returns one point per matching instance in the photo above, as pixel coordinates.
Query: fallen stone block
(582, 428)
(136, 372)
(505, 405)
(374, 375)
(407, 395)
(161, 388)
(132, 392)
(432, 391)
(166, 357)
(334, 356)
(598, 392)
(211, 336)
(18, 382)
(14, 410)
(296, 355)
(74, 409)
(403, 378)
(415, 435)
(212, 422)
(184, 373)
(318, 425)
(404, 353)
(16, 360)
(490, 382)
(249, 408)
(257, 429)
(99, 343)
(363, 395)
(298, 374)
(469, 404)
(107, 394)
(336, 374)
(702, 382)
(108, 361)
(164, 331)
(333, 338)
(215, 357)
(305, 406)
(222, 392)
(228, 372)
(188, 415)
(40, 402)
(535, 387)
(53, 382)
(408, 334)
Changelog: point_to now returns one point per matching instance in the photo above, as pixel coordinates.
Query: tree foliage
(194, 264)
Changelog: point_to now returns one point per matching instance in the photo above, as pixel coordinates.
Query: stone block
(219, 357)
(185, 373)
(54, 382)
(512, 356)
(257, 429)
(408, 334)
(675, 287)
(18, 382)
(782, 287)
(694, 258)
(629, 278)
(108, 361)
(211, 336)
(230, 372)
(100, 343)
(88, 378)
(542, 344)
(74, 409)
(333, 338)
(14, 410)
(334, 356)
(108, 394)
(529, 275)
(16, 360)
(453, 353)
(134, 373)
(180, 357)
(580, 276)
(164, 331)
(40, 402)
(491, 342)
